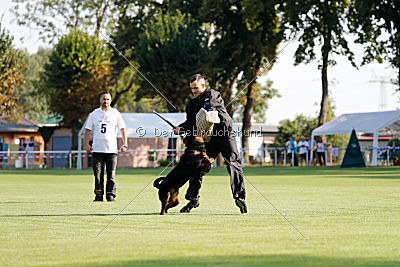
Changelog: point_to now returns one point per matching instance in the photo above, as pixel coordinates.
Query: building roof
(261, 127)
(23, 121)
(383, 123)
(17, 128)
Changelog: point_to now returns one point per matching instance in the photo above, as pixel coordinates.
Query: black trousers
(321, 158)
(295, 159)
(226, 145)
(109, 160)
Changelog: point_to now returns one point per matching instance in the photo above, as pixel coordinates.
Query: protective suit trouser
(226, 145)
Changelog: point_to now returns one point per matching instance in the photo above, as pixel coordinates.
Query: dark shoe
(98, 198)
(189, 206)
(110, 198)
(241, 203)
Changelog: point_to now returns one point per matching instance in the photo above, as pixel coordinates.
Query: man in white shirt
(105, 123)
(303, 150)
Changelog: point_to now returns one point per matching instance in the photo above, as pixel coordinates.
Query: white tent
(376, 123)
(141, 125)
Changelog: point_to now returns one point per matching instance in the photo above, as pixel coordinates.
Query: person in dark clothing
(222, 141)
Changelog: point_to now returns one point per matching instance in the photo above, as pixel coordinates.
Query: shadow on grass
(120, 171)
(123, 214)
(79, 215)
(257, 260)
(266, 171)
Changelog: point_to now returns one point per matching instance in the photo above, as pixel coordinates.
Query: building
(22, 136)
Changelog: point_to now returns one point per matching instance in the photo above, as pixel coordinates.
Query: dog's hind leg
(173, 201)
(164, 198)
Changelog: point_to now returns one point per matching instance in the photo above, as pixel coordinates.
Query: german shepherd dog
(193, 162)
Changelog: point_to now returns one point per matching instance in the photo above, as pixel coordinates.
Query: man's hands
(124, 148)
(89, 149)
(177, 130)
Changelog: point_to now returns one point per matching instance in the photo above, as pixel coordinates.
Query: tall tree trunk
(324, 76)
(228, 97)
(247, 115)
(398, 79)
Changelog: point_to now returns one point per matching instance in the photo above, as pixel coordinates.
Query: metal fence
(272, 156)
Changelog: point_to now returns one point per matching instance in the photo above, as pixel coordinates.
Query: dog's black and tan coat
(194, 162)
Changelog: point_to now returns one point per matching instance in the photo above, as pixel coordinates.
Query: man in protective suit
(222, 141)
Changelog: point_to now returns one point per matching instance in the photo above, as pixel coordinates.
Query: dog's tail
(157, 182)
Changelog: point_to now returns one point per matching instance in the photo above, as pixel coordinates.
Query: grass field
(349, 217)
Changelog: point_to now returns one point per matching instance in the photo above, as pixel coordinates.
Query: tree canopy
(321, 23)
(11, 67)
(79, 69)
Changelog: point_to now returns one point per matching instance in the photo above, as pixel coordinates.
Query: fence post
(292, 160)
(387, 157)
(284, 157)
(276, 156)
(307, 158)
(70, 160)
(326, 157)
(26, 159)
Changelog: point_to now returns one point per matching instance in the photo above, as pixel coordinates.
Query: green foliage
(32, 104)
(171, 49)
(79, 69)
(377, 26)
(11, 67)
(303, 126)
(263, 95)
(53, 18)
(322, 23)
(300, 126)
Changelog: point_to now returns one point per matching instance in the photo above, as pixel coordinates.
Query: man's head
(105, 99)
(197, 84)
(303, 138)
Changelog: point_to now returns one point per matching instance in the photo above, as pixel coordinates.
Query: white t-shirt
(303, 145)
(105, 126)
(320, 147)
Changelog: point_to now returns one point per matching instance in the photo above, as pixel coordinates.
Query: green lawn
(349, 217)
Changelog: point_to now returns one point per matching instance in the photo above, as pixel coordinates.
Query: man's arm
(124, 147)
(87, 137)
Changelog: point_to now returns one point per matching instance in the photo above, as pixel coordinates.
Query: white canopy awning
(377, 123)
(385, 122)
(148, 125)
(142, 125)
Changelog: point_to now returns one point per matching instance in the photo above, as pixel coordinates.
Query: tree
(377, 26)
(11, 67)
(325, 26)
(264, 93)
(170, 50)
(53, 18)
(300, 126)
(79, 69)
(32, 104)
(303, 126)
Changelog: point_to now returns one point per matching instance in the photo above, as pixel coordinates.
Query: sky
(353, 90)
